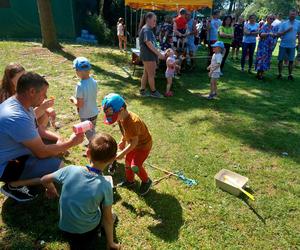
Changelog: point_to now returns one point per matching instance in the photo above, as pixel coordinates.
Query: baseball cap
(218, 44)
(81, 63)
(111, 105)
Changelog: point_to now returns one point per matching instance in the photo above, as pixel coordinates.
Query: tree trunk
(101, 5)
(232, 2)
(47, 25)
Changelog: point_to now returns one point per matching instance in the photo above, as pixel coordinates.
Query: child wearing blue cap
(86, 94)
(215, 68)
(137, 137)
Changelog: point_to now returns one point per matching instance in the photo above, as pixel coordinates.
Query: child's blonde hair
(168, 52)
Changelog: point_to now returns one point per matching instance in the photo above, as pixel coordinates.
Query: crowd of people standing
(185, 33)
(245, 34)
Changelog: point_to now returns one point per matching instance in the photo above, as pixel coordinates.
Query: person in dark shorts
(149, 54)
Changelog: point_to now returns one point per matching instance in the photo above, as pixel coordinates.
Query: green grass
(245, 130)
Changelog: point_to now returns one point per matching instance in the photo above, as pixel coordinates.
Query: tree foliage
(263, 7)
(259, 7)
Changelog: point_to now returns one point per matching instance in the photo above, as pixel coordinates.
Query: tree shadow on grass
(37, 219)
(252, 207)
(64, 53)
(31, 222)
(261, 116)
(167, 211)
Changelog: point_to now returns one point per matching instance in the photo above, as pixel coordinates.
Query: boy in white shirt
(86, 94)
(214, 68)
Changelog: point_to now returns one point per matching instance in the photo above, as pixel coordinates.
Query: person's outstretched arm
(108, 225)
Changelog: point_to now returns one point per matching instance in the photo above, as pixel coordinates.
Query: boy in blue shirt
(86, 94)
(86, 196)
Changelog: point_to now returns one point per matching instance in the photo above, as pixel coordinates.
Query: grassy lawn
(246, 129)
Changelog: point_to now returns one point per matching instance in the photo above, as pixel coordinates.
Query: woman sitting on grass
(12, 73)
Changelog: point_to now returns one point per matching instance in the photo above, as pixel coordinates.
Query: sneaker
(168, 94)
(279, 77)
(126, 184)
(145, 187)
(211, 96)
(156, 94)
(290, 78)
(20, 194)
(143, 93)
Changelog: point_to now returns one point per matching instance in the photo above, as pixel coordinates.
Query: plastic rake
(179, 174)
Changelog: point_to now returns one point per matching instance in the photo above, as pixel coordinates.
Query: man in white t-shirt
(277, 21)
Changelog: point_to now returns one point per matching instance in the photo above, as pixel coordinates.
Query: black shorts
(85, 241)
(14, 169)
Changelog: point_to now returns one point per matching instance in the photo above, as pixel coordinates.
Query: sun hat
(218, 44)
(81, 64)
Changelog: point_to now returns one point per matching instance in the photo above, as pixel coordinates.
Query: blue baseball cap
(82, 64)
(111, 105)
(218, 44)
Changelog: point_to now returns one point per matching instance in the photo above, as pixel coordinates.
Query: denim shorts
(215, 75)
(36, 167)
(286, 54)
(170, 74)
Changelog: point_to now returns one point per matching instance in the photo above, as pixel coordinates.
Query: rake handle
(163, 170)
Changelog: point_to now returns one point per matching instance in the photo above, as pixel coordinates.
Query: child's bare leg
(125, 43)
(213, 86)
(43, 120)
(169, 84)
(120, 42)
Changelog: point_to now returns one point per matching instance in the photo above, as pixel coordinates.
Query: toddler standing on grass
(215, 68)
(86, 196)
(86, 94)
(170, 71)
(137, 137)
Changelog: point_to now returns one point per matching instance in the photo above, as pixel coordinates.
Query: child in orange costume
(137, 137)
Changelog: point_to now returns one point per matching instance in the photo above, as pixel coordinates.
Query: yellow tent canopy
(171, 5)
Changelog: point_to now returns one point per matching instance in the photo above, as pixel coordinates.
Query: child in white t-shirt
(172, 66)
(214, 67)
(86, 94)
